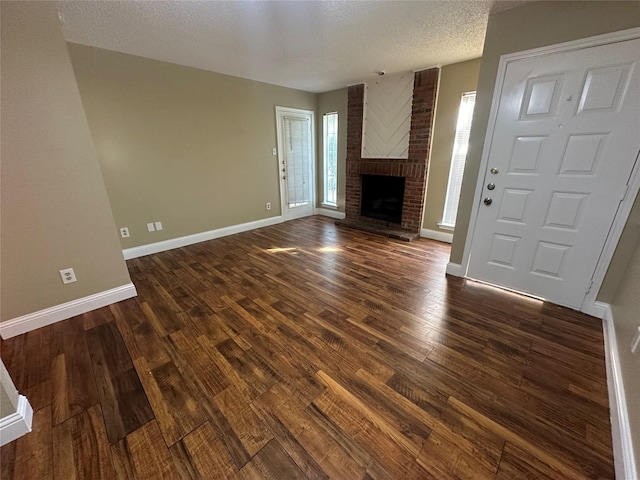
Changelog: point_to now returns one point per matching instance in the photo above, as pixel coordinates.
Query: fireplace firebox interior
(382, 197)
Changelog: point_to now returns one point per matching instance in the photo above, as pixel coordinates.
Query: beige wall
(625, 307)
(622, 256)
(532, 25)
(8, 393)
(187, 147)
(334, 101)
(455, 80)
(55, 211)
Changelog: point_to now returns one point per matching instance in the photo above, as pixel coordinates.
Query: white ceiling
(315, 46)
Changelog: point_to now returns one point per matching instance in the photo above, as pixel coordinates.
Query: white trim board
(329, 212)
(455, 269)
(17, 424)
(436, 235)
(42, 318)
(624, 461)
(178, 242)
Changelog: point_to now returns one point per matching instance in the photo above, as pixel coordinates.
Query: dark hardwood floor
(306, 350)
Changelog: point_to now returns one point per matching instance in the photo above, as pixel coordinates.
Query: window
(330, 156)
(460, 145)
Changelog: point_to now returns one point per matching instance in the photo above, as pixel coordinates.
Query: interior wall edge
(624, 460)
(17, 424)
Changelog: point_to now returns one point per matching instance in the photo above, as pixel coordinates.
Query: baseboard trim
(327, 212)
(42, 318)
(436, 235)
(17, 424)
(596, 309)
(178, 242)
(455, 269)
(624, 461)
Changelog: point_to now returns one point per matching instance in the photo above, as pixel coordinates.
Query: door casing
(589, 304)
(281, 111)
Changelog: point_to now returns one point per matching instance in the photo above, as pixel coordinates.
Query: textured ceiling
(315, 46)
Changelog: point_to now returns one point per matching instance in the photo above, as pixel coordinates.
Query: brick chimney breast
(414, 168)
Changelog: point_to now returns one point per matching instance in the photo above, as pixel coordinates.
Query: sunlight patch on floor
(506, 290)
(329, 249)
(282, 250)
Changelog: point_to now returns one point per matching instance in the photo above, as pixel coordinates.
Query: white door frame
(589, 304)
(280, 111)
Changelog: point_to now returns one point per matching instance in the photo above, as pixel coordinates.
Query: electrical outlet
(268, 205)
(68, 276)
(124, 232)
(158, 225)
(636, 341)
(150, 227)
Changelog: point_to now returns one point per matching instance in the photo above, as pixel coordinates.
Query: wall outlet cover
(158, 225)
(150, 227)
(68, 276)
(124, 232)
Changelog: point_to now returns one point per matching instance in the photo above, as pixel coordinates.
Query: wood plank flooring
(305, 350)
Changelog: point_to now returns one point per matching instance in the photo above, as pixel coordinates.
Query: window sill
(332, 206)
(446, 226)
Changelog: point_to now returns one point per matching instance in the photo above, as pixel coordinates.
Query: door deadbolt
(491, 186)
(488, 201)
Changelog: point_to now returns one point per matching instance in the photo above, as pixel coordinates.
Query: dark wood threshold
(390, 232)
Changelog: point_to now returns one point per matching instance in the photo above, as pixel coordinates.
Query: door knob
(488, 201)
(491, 186)
(494, 171)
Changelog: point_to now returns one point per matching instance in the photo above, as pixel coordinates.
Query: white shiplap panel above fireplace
(387, 116)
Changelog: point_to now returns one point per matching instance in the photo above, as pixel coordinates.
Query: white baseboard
(328, 212)
(17, 424)
(42, 318)
(455, 269)
(436, 235)
(178, 242)
(596, 309)
(624, 461)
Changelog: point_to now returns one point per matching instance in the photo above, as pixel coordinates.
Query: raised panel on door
(566, 137)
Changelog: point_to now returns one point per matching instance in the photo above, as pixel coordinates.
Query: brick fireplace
(413, 169)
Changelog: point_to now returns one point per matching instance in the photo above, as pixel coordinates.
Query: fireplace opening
(382, 197)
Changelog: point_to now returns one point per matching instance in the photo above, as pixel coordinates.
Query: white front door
(296, 162)
(566, 138)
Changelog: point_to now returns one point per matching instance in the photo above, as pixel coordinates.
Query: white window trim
(324, 201)
(457, 165)
(446, 226)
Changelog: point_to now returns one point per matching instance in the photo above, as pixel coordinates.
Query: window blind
(298, 157)
(460, 147)
(330, 141)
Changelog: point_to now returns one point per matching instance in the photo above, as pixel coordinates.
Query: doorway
(558, 170)
(296, 162)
